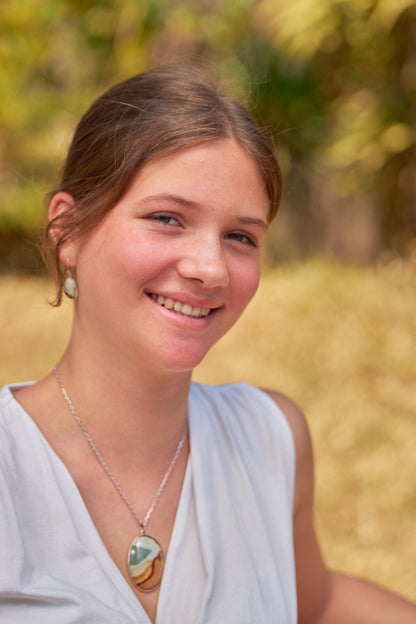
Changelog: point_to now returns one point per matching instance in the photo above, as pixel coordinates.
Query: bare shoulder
(295, 418)
(303, 447)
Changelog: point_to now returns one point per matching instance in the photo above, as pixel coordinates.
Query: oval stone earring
(69, 285)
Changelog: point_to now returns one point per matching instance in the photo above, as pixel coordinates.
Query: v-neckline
(92, 538)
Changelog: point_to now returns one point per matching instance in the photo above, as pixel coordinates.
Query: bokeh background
(334, 322)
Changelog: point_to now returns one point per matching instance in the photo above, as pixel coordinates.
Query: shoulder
(303, 444)
(9, 392)
(6, 396)
(8, 404)
(294, 416)
(19, 432)
(242, 398)
(11, 410)
(246, 409)
(10, 422)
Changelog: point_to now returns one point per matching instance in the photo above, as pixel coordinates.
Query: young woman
(129, 494)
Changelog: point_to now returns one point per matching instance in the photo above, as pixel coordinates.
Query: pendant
(145, 563)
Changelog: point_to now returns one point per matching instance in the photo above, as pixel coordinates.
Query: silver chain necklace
(145, 559)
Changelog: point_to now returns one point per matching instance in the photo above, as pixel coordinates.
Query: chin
(183, 362)
(183, 367)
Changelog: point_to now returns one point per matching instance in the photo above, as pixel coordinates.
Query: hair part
(136, 121)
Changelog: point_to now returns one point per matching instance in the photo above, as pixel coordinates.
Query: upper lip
(183, 297)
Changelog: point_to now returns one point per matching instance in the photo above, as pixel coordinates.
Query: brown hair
(142, 118)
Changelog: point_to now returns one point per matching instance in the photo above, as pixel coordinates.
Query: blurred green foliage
(334, 79)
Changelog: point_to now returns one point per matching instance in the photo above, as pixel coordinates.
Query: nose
(204, 260)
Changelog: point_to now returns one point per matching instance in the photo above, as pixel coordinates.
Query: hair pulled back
(136, 121)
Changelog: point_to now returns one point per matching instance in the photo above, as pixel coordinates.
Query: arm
(356, 601)
(326, 597)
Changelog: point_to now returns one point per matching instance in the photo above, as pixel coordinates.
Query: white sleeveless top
(230, 559)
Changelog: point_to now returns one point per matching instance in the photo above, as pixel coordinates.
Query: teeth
(180, 308)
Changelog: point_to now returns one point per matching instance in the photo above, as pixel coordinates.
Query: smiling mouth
(183, 309)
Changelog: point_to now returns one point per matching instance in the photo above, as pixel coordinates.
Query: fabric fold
(230, 558)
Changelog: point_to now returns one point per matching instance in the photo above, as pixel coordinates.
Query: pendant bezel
(153, 570)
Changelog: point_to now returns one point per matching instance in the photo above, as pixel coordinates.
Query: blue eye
(165, 218)
(242, 238)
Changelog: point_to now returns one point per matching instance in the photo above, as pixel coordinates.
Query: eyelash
(245, 239)
(164, 218)
(248, 239)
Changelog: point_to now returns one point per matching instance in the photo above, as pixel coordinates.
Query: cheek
(245, 283)
(136, 256)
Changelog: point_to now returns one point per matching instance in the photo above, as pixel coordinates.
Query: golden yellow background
(341, 341)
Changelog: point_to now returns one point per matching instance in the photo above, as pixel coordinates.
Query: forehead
(220, 171)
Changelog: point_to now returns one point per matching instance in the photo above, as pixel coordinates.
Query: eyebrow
(253, 221)
(189, 203)
(177, 199)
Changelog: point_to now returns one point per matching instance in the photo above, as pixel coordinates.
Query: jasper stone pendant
(145, 563)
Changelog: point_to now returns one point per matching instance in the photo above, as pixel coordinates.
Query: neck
(120, 404)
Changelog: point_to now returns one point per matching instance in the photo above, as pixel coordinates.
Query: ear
(61, 209)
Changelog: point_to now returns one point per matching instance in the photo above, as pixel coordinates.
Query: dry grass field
(341, 341)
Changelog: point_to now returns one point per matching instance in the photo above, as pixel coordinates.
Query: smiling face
(173, 265)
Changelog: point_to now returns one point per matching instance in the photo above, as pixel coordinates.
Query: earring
(69, 285)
